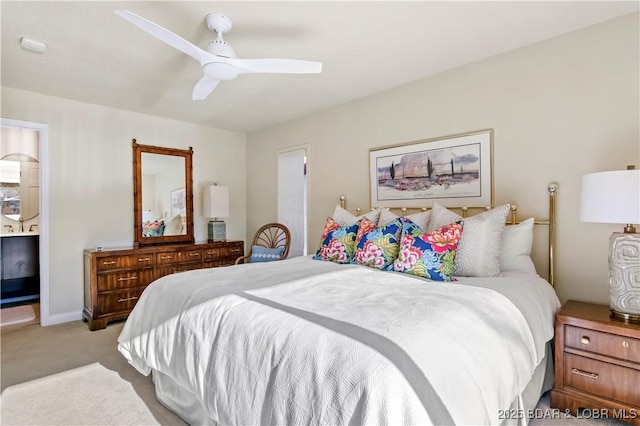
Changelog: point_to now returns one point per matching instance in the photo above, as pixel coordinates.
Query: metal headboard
(513, 220)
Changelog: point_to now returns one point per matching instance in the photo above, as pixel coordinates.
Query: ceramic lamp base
(217, 231)
(624, 276)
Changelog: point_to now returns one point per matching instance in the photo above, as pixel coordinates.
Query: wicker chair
(271, 235)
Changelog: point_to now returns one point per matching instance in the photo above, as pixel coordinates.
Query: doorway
(293, 173)
(26, 250)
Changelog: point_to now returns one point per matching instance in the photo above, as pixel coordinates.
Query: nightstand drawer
(602, 379)
(602, 343)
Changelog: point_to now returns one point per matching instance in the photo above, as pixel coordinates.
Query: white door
(292, 196)
(29, 189)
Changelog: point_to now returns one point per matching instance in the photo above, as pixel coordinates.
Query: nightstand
(597, 363)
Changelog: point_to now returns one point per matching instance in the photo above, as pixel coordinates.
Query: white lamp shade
(611, 197)
(216, 201)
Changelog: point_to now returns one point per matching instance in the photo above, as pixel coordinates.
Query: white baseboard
(61, 318)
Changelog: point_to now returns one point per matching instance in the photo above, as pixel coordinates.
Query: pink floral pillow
(430, 255)
(338, 243)
(377, 247)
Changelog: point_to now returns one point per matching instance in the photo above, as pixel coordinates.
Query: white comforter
(308, 342)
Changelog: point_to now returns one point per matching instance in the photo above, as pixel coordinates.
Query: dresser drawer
(125, 279)
(122, 301)
(109, 263)
(219, 262)
(166, 270)
(602, 379)
(602, 343)
(178, 256)
(232, 250)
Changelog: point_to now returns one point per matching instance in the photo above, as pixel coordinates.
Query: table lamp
(216, 206)
(614, 197)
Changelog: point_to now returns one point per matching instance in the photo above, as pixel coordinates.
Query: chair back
(273, 235)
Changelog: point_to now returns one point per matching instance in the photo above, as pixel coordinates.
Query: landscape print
(448, 171)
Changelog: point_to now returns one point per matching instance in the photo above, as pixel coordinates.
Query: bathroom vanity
(19, 268)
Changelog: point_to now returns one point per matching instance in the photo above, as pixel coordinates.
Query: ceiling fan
(219, 61)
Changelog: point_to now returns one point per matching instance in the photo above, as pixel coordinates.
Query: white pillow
(344, 218)
(421, 218)
(173, 225)
(481, 242)
(517, 241)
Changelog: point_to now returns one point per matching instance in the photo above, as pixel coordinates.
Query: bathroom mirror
(162, 195)
(19, 187)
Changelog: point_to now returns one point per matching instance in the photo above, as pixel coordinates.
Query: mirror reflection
(163, 195)
(19, 174)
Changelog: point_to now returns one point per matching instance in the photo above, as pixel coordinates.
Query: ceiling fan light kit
(219, 61)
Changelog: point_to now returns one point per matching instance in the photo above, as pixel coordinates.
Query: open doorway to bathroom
(20, 202)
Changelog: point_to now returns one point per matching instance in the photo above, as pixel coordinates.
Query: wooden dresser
(597, 363)
(114, 279)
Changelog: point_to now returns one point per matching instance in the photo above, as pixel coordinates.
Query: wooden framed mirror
(162, 195)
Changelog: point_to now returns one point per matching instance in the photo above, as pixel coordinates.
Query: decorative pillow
(479, 249)
(377, 247)
(344, 218)
(515, 255)
(153, 229)
(265, 254)
(430, 255)
(173, 225)
(421, 218)
(338, 243)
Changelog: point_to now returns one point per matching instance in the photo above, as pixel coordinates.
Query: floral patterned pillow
(153, 229)
(338, 243)
(377, 247)
(430, 255)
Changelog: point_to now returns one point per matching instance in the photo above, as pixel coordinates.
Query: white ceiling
(95, 56)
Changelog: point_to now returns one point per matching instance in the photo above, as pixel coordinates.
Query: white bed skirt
(185, 403)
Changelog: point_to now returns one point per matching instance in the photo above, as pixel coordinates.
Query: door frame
(43, 227)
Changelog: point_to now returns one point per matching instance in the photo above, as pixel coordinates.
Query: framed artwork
(178, 202)
(455, 171)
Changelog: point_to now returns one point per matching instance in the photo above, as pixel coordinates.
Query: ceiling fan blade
(163, 34)
(285, 66)
(204, 87)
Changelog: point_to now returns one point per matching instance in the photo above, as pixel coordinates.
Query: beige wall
(91, 179)
(559, 108)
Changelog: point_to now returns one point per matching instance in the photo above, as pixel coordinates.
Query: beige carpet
(68, 375)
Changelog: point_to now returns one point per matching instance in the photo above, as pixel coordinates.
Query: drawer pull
(166, 257)
(584, 373)
(110, 262)
(127, 299)
(194, 254)
(585, 340)
(625, 344)
(144, 259)
(128, 278)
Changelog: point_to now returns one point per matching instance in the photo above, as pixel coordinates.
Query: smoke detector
(33, 45)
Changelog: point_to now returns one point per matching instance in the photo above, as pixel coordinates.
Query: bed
(309, 341)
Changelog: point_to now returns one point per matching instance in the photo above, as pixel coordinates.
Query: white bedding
(308, 342)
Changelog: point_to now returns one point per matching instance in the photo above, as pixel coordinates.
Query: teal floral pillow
(153, 229)
(377, 247)
(338, 243)
(430, 255)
